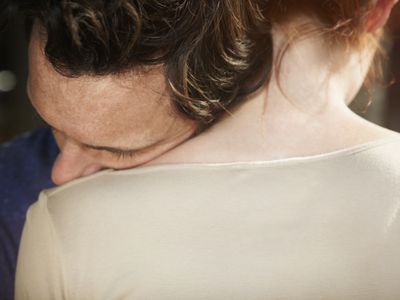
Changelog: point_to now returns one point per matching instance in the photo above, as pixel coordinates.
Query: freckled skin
(129, 111)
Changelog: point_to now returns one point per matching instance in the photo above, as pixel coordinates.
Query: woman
(288, 195)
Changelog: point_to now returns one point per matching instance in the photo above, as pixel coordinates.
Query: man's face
(103, 122)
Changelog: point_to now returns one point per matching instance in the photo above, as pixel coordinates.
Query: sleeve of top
(39, 272)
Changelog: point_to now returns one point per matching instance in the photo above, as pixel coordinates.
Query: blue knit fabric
(25, 167)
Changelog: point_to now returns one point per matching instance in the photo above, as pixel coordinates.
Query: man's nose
(72, 163)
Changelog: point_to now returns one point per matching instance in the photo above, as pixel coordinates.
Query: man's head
(114, 121)
(124, 81)
(121, 82)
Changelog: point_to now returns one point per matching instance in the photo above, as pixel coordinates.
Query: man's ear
(379, 14)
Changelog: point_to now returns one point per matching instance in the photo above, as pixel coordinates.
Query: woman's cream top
(318, 227)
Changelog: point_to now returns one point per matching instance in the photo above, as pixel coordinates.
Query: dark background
(17, 115)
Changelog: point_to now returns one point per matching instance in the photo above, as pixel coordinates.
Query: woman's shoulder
(117, 196)
(385, 144)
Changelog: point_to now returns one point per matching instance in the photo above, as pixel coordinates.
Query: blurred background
(18, 116)
(16, 113)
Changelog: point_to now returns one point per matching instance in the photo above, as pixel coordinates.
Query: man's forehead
(109, 118)
(108, 128)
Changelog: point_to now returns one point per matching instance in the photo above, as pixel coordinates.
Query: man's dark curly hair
(214, 52)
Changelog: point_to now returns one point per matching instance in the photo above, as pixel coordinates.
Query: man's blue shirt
(25, 168)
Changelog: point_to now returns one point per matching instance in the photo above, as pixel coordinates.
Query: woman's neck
(303, 112)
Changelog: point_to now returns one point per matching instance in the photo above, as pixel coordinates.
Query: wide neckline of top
(269, 164)
(263, 163)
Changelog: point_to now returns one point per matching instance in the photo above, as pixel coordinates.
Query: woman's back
(317, 227)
